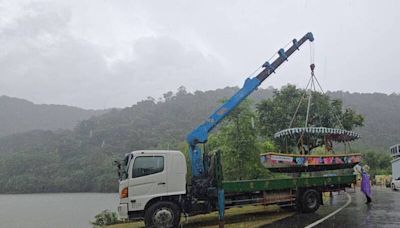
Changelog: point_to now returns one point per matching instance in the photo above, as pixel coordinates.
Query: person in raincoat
(365, 181)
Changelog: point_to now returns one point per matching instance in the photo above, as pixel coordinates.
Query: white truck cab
(148, 177)
(395, 184)
(395, 152)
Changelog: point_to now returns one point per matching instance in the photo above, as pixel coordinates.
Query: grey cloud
(161, 64)
(50, 53)
(44, 62)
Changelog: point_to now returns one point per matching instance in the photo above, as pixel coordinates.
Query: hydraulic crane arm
(200, 133)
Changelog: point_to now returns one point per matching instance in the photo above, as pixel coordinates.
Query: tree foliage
(288, 108)
(237, 138)
(379, 162)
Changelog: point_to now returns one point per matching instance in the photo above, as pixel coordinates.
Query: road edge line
(331, 214)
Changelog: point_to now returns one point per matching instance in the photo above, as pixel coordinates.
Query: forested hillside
(18, 115)
(382, 117)
(81, 159)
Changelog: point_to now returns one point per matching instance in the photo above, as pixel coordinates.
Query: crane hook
(312, 67)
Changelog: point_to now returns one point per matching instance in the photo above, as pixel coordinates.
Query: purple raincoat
(365, 184)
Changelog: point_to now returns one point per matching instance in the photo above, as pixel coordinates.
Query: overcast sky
(112, 53)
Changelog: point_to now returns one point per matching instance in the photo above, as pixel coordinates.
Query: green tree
(378, 161)
(351, 119)
(283, 111)
(237, 138)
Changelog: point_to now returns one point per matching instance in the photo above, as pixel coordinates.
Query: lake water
(61, 210)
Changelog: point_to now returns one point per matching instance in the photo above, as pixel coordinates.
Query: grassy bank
(247, 216)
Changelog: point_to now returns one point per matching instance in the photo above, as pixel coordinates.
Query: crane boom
(200, 133)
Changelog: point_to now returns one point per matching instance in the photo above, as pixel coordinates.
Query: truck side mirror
(118, 165)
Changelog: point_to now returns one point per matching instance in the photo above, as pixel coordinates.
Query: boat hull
(292, 163)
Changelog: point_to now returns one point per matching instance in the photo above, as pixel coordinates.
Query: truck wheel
(393, 187)
(310, 201)
(162, 214)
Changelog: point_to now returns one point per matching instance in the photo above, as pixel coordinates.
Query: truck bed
(325, 182)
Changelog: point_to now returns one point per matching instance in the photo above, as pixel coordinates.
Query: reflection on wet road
(384, 211)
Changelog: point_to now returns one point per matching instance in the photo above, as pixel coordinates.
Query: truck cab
(148, 177)
(395, 152)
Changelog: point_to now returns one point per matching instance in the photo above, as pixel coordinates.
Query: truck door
(148, 180)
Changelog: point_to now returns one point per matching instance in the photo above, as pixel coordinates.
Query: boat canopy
(338, 135)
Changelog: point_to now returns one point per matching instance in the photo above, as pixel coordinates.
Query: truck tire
(393, 187)
(162, 214)
(310, 201)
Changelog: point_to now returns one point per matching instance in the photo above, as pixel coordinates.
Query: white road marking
(331, 214)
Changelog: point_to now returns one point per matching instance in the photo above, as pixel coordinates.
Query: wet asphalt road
(384, 211)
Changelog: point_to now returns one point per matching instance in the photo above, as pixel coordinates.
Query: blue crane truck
(153, 184)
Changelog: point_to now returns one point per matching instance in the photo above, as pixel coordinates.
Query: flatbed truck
(154, 185)
(154, 188)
